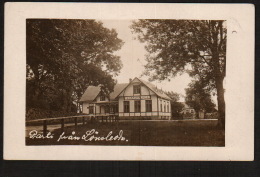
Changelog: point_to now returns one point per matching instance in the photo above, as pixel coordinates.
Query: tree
(64, 57)
(176, 107)
(194, 46)
(173, 95)
(199, 98)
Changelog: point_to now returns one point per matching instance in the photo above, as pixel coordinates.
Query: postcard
(121, 81)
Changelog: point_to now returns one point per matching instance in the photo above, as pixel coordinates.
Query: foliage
(199, 98)
(213, 115)
(173, 95)
(197, 47)
(36, 113)
(174, 44)
(176, 108)
(188, 115)
(64, 57)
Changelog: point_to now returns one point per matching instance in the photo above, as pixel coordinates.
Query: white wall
(164, 103)
(121, 104)
(97, 109)
(85, 109)
(144, 91)
(154, 103)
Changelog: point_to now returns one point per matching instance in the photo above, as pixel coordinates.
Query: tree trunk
(221, 102)
(67, 100)
(219, 76)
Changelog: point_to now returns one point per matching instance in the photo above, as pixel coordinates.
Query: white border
(239, 81)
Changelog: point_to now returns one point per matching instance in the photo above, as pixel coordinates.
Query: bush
(213, 115)
(189, 116)
(36, 113)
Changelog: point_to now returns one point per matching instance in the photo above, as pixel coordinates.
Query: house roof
(92, 92)
(157, 91)
(117, 90)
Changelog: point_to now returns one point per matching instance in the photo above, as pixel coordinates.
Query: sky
(132, 56)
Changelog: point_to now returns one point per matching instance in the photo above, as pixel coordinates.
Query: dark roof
(92, 92)
(157, 91)
(117, 90)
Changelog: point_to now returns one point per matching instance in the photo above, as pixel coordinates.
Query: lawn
(140, 133)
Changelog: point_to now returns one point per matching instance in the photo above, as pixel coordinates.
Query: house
(137, 99)
(188, 112)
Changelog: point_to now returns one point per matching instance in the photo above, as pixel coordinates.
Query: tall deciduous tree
(195, 46)
(64, 57)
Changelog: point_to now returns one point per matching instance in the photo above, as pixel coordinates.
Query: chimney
(130, 80)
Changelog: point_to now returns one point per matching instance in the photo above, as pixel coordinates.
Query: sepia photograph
(129, 81)
(141, 82)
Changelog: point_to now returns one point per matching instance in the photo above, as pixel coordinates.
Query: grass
(145, 133)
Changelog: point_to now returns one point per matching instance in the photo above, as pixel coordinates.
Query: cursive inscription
(34, 134)
(68, 137)
(90, 135)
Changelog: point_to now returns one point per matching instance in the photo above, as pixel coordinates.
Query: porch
(106, 108)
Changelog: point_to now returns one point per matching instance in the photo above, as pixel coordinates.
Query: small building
(188, 112)
(137, 99)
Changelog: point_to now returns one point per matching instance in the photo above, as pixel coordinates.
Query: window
(126, 106)
(91, 109)
(137, 106)
(161, 105)
(164, 107)
(112, 109)
(137, 89)
(102, 98)
(168, 108)
(148, 104)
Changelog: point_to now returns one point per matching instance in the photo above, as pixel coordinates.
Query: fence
(84, 119)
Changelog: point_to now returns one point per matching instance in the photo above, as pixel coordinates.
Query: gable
(129, 90)
(101, 97)
(152, 89)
